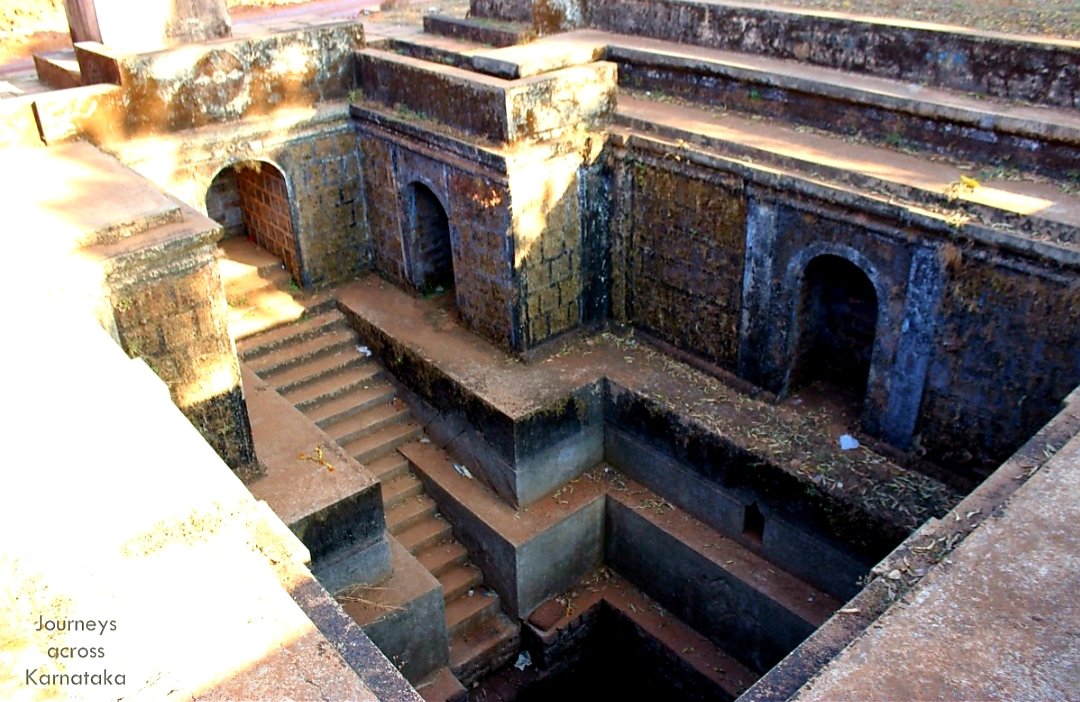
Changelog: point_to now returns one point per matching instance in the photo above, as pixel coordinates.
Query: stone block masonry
(545, 106)
(1007, 347)
(170, 311)
(548, 247)
(994, 65)
(476, 199)
(319, 196)
(515, 219)
(264, 203)
(682, 249)
(228, 81)
(223, 204)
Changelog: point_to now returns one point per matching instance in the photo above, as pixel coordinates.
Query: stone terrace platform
(987, 563)
(802, 445)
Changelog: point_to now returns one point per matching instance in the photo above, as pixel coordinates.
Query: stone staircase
(257, 288)
(1002, 168)
(318, 364)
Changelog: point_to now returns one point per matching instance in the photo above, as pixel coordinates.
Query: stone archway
(251, 199)
(431, 262)
(837, 324)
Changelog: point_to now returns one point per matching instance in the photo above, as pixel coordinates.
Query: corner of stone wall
(170, 311)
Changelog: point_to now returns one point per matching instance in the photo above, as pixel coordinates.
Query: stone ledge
(926, 550)
(403, 614)
(539, 107)
(951, 57)
(334, 507)
(491, 32)
(937, 224)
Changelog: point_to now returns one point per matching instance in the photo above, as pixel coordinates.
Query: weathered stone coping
(898, 578)
(1041, 245)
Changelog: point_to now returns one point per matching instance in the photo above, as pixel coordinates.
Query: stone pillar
(170, 310)
(755, 325)
(82, 20)
(147, 25)
(907, 378)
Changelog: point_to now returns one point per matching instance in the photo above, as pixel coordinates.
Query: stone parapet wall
(545, 16)
(1036, 70)
(545, 106)
(170, 310)
(196, 85)
(1011, 67)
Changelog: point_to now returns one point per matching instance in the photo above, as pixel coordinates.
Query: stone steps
(58, 69)
(458, 580)
(328, 378)
(481, 31)
(237, 289)
(441, 557)
(409, 513)
(382, 442)
(366, 422)
(328, 409)
(262, 309)
(424, 534)
(466, 613)
(389, 466)
(1016, 207)
(292, 355)
(310, 326)
(489, 646)
(442, 686)
(437, 49)
(315, 364)
(257, 290)
(899, 113)
(399, 489)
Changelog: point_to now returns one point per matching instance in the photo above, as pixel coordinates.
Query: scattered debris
(364, 351)
(523, 661)
(848, 442)
(425, 440)
(850, 610)
(463, 471)
(319, 458)
(964, 184)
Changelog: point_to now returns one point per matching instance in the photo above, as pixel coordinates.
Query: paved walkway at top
(997, 621)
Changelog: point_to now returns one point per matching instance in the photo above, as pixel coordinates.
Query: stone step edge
(813, 170)
(1059, 125)
(481, 30)
(1006, 235)
(304, 328)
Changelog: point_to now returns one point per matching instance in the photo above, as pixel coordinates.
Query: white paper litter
(523, 661)
(364, 351)
(848, 442)
(463, 471)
